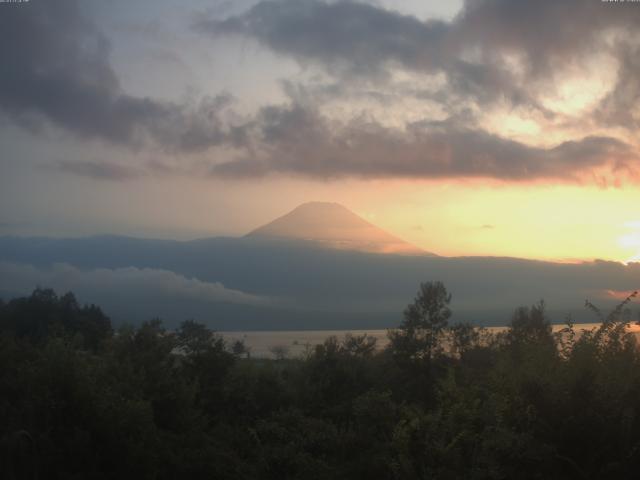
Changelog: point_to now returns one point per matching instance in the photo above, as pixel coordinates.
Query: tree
(530, 326)
(195, 338)
(279, 352)
(464, 336)
(418, 338)
(43, 316)
(359, 345)
(239, 348)
(206, 361)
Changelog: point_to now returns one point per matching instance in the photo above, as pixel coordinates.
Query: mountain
(335, 226)
(257, 284)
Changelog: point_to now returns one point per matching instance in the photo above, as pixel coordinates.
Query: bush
(80, 402)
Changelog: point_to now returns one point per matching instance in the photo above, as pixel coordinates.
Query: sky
(485, 127)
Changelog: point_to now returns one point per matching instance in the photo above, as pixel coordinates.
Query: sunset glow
(460, 127)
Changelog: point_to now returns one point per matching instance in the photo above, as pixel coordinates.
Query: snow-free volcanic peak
(335, 226)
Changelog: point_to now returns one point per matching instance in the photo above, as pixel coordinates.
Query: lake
(296, 343)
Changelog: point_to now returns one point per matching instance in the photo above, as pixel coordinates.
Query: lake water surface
(296, 343)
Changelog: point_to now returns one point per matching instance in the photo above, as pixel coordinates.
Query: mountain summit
(334, 226)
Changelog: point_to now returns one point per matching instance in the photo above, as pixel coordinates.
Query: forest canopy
(442, 400)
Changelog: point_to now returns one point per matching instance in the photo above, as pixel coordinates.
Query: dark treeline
(80, 400)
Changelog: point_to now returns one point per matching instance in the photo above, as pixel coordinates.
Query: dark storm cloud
(56, 68)
(357, 38)
(621, 106)
(475, 52)
(547, 32)
(57, 71)
(549, 35)
(298, 140)
(353, 36)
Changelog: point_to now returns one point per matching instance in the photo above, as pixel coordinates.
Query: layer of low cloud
(321, 288)
(103, 285)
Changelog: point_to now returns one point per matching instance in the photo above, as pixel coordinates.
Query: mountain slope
(334, 226)
(306, 287)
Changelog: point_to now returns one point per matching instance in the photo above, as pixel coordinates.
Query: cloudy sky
(496, 127)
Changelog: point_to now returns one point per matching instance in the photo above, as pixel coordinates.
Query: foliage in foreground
(445, 402)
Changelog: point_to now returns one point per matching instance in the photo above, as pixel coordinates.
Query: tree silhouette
(150, 402)
(418, 338)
